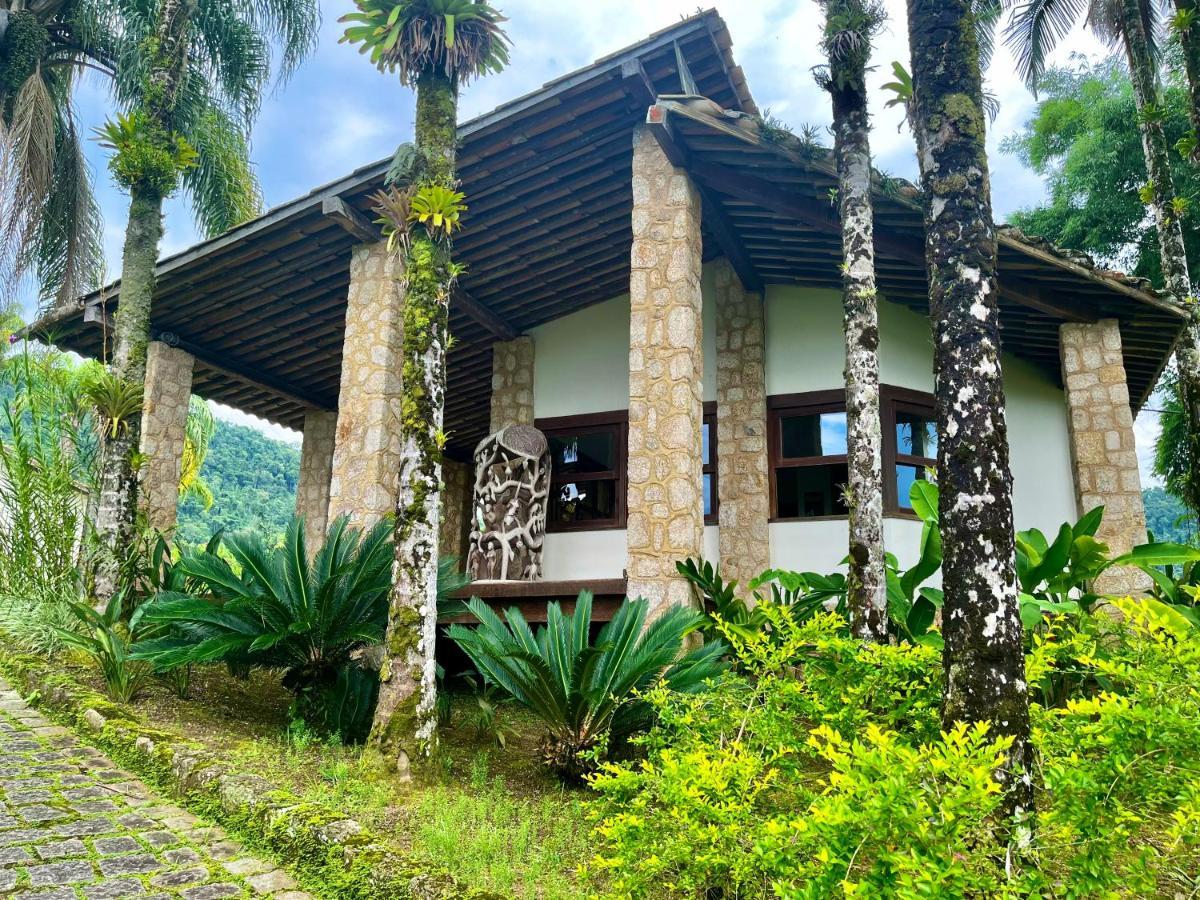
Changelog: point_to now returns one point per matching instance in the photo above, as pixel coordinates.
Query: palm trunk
(983, 659)
(1189, 44)
(866, 585)
(1173, 256)
(117, 509)
(405, 725)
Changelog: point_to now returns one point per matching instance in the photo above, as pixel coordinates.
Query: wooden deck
(532, 597)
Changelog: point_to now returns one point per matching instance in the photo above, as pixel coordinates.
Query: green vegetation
(840, 782)
(586, 694)
(253, 482)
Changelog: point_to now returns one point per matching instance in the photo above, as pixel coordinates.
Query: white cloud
(270, 429)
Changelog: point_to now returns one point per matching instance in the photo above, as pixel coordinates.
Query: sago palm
(584, 692)
(1136, 28)
(436, 46)
(191, 74)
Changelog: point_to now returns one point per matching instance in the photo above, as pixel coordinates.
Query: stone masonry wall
(366, 456)
(1102, 443)
(316, 468)
(665, 501)
(742, 473)
(459, 480)
(512, 383)
(164, 421)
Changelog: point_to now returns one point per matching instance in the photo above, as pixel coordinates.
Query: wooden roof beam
(712, 214)
(350, 219)
(483, 316)
(1028, 293)
(206, 356)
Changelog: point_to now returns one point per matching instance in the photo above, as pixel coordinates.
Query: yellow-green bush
(824, 773)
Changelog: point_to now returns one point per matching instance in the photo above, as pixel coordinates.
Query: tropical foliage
(585, 692)
(105, 638)
(825, 773)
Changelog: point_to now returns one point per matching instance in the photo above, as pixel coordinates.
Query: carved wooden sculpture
(508, 512)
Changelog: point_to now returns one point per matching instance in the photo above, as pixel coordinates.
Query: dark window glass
(579, 453)
(708, 459)
(584, 501)
(916, 435)
(816, 434)
(805, 491)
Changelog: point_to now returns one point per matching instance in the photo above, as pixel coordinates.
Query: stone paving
(73, 826)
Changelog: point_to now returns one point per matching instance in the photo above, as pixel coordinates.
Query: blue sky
(338, 113)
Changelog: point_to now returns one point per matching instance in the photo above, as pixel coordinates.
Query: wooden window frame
(616, 420)
(710, 468)
(891, 401)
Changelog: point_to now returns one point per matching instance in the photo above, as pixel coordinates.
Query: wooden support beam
(712, 213)
(1028, 293)
(350, 219)
(93, 313)
(637, 82)
(483, 316)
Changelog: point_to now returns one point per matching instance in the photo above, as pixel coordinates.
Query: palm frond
(222, 187)
(1034, 30)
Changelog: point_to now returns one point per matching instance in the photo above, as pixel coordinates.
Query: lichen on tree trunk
(1189, 45)
(405, 725)
(984, 661)
(866, 584)
(117, 507)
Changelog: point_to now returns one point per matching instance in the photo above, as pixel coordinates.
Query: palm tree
(197, 434)
(850, 26)
(1186, 24)
(1135, 26)
(49, 221)
(983, 658)
(436, 45)
(192, 73)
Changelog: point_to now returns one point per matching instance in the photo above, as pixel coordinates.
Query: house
(653, 280)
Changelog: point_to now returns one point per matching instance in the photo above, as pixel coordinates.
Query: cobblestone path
(73, 825)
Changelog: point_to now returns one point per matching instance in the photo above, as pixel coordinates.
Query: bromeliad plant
(107, 640)
(585, 693)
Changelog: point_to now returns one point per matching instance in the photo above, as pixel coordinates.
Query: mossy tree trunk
(983, 658)
(405, 726)
(117, 508)
(866, 585)
(1147, 96)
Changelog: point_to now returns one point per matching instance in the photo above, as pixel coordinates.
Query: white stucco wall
(581, 366)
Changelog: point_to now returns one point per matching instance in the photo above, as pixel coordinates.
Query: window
(587, 471)
(709, 457)
(808, 455)
(808, 451)
(909, 444)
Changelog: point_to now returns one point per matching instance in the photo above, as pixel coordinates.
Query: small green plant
(438, 208)
(105, 639)
(585, 693)
(487, 699)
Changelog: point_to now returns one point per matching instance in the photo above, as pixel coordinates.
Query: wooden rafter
(350, 219)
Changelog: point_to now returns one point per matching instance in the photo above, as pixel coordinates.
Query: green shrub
(105, 638)
(583, 692)
(823, 773)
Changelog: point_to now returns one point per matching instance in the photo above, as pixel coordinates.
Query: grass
(492, 815)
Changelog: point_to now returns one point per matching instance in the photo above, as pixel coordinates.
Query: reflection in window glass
(916, 435)
(819, 434)
(905, 476)
(806, 491)
(705, 444)
(584, 501)
(708, 494)
(596, 452)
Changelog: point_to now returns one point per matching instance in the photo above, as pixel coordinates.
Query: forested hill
(253, 480)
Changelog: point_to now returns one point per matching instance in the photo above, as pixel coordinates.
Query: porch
(642, 174)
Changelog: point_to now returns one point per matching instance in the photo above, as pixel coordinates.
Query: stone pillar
(164, 423)
(366, 456)
(742, 476)
(1103, 453)
(458, 479)
(665, 499)
(512, 383)
(316, 467)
